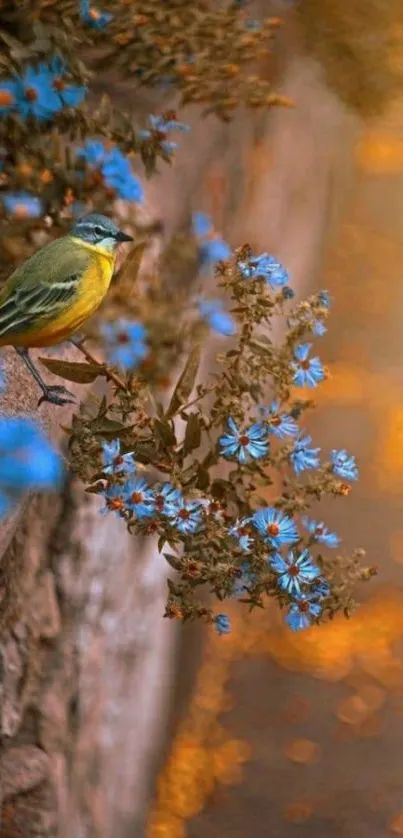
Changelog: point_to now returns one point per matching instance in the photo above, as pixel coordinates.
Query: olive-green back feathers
(43, 286)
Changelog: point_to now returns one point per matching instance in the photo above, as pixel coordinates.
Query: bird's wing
(42, 287)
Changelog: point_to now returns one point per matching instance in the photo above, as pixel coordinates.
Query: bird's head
(100, 231)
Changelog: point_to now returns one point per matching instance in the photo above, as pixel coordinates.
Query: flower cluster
(40, 92)
(160, 127)
(60, 157)
(114, 169)
(198, 490)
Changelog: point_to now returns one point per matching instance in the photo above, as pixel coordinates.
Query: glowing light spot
(303, 751)
(299, 811)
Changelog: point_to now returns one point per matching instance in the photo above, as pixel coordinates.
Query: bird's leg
(56, 394)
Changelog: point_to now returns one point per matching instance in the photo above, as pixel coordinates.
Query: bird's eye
(99, 231)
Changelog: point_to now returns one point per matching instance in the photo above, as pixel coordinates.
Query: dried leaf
(165, 433)
(186, 383)
(133, 261)
(102, 426)
(192, 434)
(172, 560)
(203, 479)
(80, 373)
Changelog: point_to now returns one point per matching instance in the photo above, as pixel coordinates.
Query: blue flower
(167, 499)
(253, 25)
(276, 528)
(113, 461)
(222, 624)
(71, 95)
(302, 457)
(245, 582)
(318, 328)
(187, 518)
(213, 508)
(218, 319)
(287, 292)
(344, 465)
(320, 589)
(279, 424)
(22, 204)
(115, 169)
(168, 147)
(301, 613)
(28, 461)
(267, 267)
(93, 152)
(244, 445)
(324, 299)
(93, 17)
(308, 372)
(212, 249)
(241, 531)
(162, 125)
(294, 571)
(320, 533)
(272, 270)
(139, 497)
(36, 95)
(118, 175)
(166, 123)
(115, 500)
(8, 96)
(125, 343)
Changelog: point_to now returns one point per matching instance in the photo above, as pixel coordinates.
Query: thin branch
(109, 374)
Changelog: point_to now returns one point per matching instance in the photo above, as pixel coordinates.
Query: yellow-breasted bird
(46, 300)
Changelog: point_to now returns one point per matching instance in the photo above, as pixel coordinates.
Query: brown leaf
(80, 373)
(186, 383)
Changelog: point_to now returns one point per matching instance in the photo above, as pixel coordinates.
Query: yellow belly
(94, 286)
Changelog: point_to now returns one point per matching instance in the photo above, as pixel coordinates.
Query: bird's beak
(123, 237)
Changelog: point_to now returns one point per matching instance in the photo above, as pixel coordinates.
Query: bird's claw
(57, 395)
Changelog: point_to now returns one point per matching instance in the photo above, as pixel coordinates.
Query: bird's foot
(57, 395)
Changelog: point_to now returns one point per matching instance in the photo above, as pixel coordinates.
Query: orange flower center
(319, 530)
(118, 460)
(305, 364)
(184, 514)
(137, 497)
(272, 529)
(21, 211)
(6, 98)
(244, 439)
(293, 570)
(160, 501)
(183, 69)
(59, 84)
(303, 607)
(123, 337)
(46, 176)
(275, 421)
(116, 503)
(24, 169)
(95, 14)
(31, 94)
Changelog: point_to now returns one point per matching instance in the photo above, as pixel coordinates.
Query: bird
(46, 300)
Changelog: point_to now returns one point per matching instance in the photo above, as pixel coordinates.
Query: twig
(109, 374)
(208, 389)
